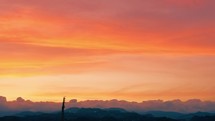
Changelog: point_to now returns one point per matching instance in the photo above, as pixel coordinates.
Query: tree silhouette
(63, 107)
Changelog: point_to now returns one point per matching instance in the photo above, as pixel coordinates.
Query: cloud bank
(189, 106)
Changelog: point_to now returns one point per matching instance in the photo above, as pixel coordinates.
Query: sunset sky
(131, 50)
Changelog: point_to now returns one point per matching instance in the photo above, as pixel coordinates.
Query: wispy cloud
(113, 44)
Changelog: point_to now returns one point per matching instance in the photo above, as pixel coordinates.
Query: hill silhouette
(97, 114)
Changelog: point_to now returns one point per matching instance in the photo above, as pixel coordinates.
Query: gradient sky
(107, 49)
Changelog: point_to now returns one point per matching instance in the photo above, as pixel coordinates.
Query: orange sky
(114, 49)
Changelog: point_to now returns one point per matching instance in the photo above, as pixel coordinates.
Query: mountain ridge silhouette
(109, 114)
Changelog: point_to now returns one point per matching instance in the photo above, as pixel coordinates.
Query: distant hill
(109, 114)
(174, 115)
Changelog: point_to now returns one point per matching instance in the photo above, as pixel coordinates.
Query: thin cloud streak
(110, 44)
(121, 29)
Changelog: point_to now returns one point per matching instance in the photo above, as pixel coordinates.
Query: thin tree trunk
(62, 112)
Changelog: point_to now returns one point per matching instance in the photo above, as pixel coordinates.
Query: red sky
(106, 49)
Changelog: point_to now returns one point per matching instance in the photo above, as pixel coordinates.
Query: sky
(130, 50)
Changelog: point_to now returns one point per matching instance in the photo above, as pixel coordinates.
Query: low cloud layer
(194, 105)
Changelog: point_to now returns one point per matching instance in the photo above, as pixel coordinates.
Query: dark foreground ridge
(96, 114)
